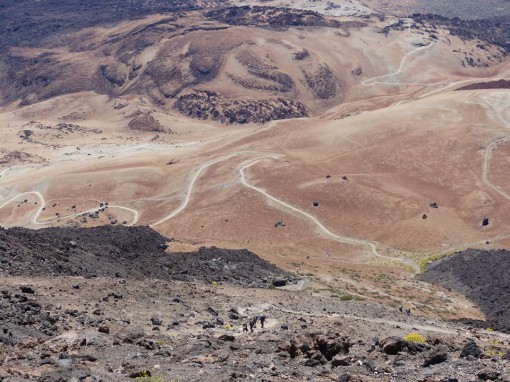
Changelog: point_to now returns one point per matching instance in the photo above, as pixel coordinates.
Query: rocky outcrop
(128, 252)
(213, 106)
(481, 276)
(321, 82)
(270, 17)
(499, 84)
(146, 122)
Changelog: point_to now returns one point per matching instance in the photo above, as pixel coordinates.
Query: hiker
(374, 343)
(408, 311)
(245, 328)
(262, 320)
(253, 323)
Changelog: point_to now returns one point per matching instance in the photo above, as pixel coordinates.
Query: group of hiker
(408, 310)
(253, 323)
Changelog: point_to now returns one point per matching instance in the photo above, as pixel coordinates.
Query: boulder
(227, 337)
(340, 360)
(488, 374)
(131, 334)
(208, 325)
(317, 355)
(279, 282)
(471, 348)
(435, 356)
(311, 362)
(392, 345)
(330, 347)
(156, 321)
(27, 289)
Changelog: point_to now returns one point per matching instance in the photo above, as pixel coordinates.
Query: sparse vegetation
(415, 337)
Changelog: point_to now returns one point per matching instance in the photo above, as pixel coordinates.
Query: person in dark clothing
(245, 328)
(262, 320)
(408, 311)
(253, 323)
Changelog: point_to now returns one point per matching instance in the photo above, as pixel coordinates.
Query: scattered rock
(340, 360)
(279, 282)
(156, 321)
(488, 374)
(435, 356)
(392, 345)
(227, 338)
(471, 349)
(331, 346)
(140, 374)
(27, 289)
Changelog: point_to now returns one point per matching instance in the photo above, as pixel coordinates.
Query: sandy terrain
(393, 139)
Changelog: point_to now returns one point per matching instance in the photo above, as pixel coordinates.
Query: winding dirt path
(242, 172)
(370, 81)
(486, 166)
(42, 206)
(341, 238)
(492, 146)
(195, 177)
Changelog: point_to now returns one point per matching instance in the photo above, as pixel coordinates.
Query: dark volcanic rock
(500, 84)
(134, 252)
(488, 374)
(280, 282)
(322, 82)
(210, 105)
(270, 17)
(480, 275)
(41, 21)
(495, 30)
(392, 345)
(435, 356)
(330, 346)
(471, 349)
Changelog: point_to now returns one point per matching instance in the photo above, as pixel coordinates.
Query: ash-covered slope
(480, 275)
(130, 252)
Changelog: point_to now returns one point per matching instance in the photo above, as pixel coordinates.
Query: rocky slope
(480, 275)
(173, 58)
(119, 251)
(261, 62)
(139, 323)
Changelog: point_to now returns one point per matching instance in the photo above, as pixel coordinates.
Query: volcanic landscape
(171, 169)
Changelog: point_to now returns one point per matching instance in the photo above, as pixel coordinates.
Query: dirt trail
(493, 145)
(42, 206)
(342, 238)
(371, 81)
(198, 172)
